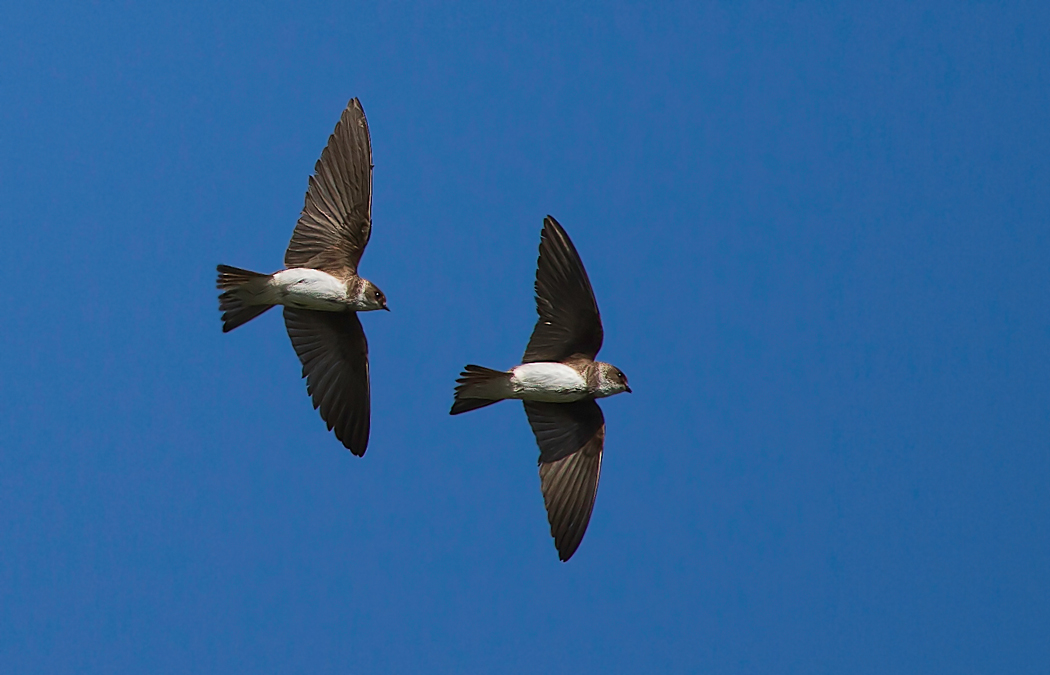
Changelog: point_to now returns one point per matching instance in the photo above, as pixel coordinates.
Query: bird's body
(306, 288)
(550, 382)
(558, 383)
(320, 288)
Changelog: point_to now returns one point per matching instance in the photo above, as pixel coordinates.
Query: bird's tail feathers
(235, 277)
(478, 387)
(243, 297)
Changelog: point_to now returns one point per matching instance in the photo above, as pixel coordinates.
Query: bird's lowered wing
(570, 437)
(334, 354)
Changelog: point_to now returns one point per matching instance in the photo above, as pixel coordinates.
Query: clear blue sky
(819, 237)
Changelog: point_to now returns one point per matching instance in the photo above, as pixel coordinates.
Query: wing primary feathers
(336, 221)
(569, 322)
(570, 437)
(334, 352)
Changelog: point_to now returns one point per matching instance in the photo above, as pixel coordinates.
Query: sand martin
(558, 381)
(320, 289)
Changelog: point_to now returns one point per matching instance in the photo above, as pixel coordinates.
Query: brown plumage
(558, 381)
(320, 287)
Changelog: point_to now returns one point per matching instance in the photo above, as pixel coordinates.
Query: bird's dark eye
(378, 295)
(621, 375)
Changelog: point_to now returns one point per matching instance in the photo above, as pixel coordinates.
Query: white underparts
(306, 288)
(550, 382)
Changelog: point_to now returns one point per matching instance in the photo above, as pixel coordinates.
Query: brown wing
(570, 436)
(334, 353)
(336, 221)
(569, 322)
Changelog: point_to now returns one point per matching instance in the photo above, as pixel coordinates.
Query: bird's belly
(549, 382)
(305, 288)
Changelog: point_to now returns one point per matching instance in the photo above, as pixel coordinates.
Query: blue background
(819, 237)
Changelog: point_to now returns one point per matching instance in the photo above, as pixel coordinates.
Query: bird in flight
(558, 382)
(319, 287)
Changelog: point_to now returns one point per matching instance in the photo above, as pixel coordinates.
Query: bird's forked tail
(478, 387)
(243, 295)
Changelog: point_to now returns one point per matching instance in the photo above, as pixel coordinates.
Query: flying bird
(558, 382)
(319, 287)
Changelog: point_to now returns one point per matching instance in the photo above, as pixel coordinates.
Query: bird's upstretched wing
(569, 323)
(336, 221)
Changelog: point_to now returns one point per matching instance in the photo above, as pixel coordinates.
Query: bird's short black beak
(628, 389)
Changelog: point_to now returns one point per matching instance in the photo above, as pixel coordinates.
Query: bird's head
(611, 380)
(370, 297)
